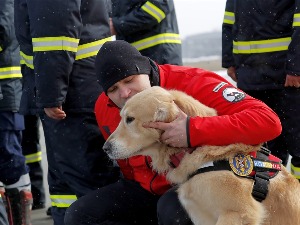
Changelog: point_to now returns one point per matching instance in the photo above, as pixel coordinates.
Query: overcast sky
(199, 16)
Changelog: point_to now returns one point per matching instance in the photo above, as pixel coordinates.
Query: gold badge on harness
(241, 165)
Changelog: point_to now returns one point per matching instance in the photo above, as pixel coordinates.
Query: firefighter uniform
(12, 161)
(59, 41)
(151, 27)
(261, 40)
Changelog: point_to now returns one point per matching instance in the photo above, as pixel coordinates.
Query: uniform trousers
(127, 203)
(76, 162)
(285, 103)
(12, 160)
(32, 152)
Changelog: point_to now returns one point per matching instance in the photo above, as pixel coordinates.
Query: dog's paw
(176, 176)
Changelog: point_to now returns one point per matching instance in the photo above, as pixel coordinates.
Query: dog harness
(260, 166)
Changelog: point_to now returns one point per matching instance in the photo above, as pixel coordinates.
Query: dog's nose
(107, 147)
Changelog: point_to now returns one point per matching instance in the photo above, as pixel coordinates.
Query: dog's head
(131, 138)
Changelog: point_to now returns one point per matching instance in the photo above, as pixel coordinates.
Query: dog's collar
(176, 158)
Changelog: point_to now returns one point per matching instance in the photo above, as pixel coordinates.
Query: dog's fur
(218, 197)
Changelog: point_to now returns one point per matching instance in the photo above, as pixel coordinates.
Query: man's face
(121, 91)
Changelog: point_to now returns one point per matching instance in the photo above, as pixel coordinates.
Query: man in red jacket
(142, 196)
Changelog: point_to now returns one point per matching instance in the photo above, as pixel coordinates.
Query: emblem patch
(241, 165)
(233, 95)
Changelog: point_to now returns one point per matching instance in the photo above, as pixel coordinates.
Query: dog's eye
(129, 119)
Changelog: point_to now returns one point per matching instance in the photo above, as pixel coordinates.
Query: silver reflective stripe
(154, 11)
(90, 49)
(62, 201)
(262, 46)
(296, 22)
(35, 157)
(156, 40)
(54, 44)
(26, 60)
(295, 171)
(10, 72)
(229, 18)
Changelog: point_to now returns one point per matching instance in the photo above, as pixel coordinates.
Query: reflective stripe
(35, 157)
(1, 49)
(296, 22)
(229, 18)
(62, 201)
(156, 40)
(10, 72)
(263, 46)
(90, 49)
(55, 43)
(26, 60)
(154, 11)
(295, 171)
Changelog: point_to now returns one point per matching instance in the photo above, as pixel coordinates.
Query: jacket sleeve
(151, 13)
(55, 26)
(241, 118)
(293, 56)
(6, 23)
(227, 37)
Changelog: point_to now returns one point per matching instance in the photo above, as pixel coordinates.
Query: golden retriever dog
(214, 197)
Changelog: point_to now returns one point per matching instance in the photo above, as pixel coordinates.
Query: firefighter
(262, 53)
(150, 26)
(15, 186)
(59, 41)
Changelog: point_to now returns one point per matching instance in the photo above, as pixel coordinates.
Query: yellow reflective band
(295, 171)
(62, 201)
(149, 42)
(35, 157)
(296, 22)
(10, 72)
(55, 44)
(229, 18)
(262, 46)
(154, 11)
(90, 49)
(1, 49)
(26, 60)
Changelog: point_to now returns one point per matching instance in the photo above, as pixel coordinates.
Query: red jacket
(241, 119)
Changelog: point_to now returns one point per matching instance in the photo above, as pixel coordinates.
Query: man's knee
(170, 210)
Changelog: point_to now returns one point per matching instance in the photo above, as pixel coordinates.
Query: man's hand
(292, 81)
(55, 113)
(174, 133)
(231, 73)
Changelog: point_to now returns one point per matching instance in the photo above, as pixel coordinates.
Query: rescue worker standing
(150, 26)
(13, 170)
(59, 41)
(262, 53)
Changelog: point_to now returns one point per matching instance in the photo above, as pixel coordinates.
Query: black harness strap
(261, 177)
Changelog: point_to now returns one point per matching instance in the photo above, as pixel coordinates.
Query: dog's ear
(166, 112)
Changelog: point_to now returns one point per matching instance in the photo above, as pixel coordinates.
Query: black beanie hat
(117, 60)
